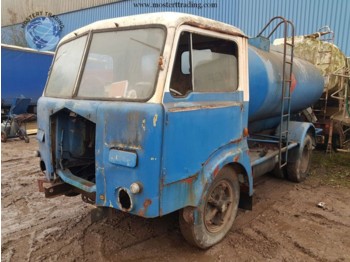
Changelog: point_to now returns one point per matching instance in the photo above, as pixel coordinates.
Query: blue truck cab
(149, 114)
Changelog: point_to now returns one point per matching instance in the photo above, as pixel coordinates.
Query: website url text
(189, 4)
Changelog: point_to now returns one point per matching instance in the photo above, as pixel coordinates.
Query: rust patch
(189, 180)
(41, 182)
(203, 106)
(162, 181)
(236, 158)
(236, 141)
(216, 171)
(143, 210)
(147, 203)
(245, 132)
(189, 183)
(215, 29)
(293, 83)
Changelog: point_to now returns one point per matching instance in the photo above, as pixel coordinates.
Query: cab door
(203, 107)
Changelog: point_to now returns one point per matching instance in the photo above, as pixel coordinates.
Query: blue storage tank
(265, 81)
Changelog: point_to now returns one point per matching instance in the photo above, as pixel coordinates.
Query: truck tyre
(207, 224)
(298, 170)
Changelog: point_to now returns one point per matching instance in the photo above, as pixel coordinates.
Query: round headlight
(135, 188)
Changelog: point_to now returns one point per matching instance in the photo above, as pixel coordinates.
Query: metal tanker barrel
(265, 81)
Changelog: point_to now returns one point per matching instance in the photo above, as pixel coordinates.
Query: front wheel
(207, 224)
(297, 171)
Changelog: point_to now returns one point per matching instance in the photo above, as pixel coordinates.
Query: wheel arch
(239, 161)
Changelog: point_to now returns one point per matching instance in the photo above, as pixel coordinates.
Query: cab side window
(204, 64)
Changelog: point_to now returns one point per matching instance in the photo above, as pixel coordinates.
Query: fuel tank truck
(164, 112)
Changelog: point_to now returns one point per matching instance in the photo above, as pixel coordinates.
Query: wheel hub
(218, 207)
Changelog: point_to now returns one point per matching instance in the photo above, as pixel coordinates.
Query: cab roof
(168, 19)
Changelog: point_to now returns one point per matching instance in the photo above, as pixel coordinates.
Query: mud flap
(245, 201)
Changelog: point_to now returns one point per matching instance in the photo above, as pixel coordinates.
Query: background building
(249, 15)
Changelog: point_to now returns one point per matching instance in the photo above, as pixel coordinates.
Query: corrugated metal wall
(249, 15)
(16, 11)
(224, 11)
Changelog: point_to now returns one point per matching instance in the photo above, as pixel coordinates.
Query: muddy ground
(285, 225)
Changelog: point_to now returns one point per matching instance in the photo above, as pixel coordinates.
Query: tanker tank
(265, 81)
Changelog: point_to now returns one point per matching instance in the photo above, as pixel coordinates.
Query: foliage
(331, 169)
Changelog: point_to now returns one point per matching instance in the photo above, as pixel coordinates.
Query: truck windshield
(65, 68)
(119, 65)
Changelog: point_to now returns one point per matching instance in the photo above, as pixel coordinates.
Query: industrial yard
(309, 221)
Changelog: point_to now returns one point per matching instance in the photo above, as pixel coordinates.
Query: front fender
(229, 154)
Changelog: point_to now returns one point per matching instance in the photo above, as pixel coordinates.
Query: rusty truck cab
(143, 113)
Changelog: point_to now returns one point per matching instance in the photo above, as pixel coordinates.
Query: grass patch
(331, 169)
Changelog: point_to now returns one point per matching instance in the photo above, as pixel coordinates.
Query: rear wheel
(207, 224)
(297, 171)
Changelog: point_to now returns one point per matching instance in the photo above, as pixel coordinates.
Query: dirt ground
(286, 223)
